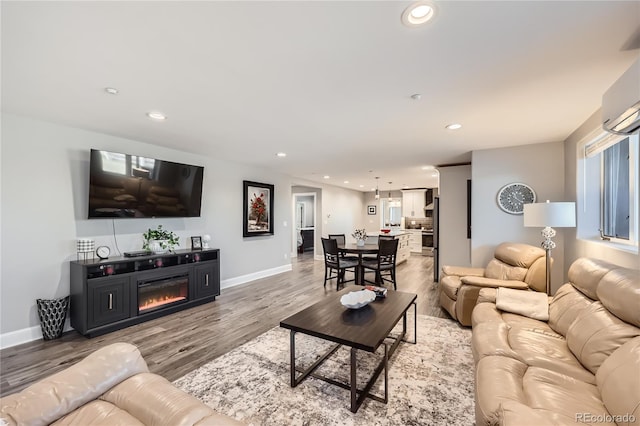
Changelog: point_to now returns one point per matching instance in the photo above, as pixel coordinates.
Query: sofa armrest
(494, 283)
(59, 394)
(487, 295)
(462, 271)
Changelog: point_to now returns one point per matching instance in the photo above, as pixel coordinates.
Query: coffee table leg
(293, 358)
(386, 375)
(354, 394)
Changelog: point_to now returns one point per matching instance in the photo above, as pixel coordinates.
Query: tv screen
(123, 185)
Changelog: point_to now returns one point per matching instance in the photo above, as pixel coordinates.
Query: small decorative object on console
(357, 299)
(196, 243)
(205, 241)
(159, 240)
(379, 291)
(103, 252)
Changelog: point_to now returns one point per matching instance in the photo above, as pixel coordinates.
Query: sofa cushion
(624, 302)
(98, 413)
(585, 275)
(597, 333)
(153, 400)
(500, 380)
(51, 398)
(565, 307)
(503, 271)
(522, 255)
(537, 346)
(618, 379)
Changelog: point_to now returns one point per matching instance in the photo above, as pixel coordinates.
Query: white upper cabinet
(413, 202)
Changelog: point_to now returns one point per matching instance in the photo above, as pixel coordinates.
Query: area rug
(430, 383)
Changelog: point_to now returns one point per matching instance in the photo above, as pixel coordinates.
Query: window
(616, 210)
(608, 189)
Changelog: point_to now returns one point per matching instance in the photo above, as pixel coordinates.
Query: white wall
(575, 247)
(454, 246)
(539, 166)
(44, 209)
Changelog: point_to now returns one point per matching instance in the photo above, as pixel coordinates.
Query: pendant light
(390, 191)
(377, 192)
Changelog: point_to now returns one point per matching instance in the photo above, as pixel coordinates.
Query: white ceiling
(329, 83)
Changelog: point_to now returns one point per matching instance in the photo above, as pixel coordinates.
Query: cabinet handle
(110, 301)
(206, 280)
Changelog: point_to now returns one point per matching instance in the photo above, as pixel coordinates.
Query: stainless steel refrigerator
(436, 239)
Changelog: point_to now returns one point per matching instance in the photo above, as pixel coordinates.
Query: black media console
(111, 294)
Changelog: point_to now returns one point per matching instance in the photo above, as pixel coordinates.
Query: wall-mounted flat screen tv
(123, 186)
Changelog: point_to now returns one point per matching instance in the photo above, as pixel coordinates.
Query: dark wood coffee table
(361, 329)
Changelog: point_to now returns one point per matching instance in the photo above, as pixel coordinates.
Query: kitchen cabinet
(404, 250)
(415, 240)
(413, 202)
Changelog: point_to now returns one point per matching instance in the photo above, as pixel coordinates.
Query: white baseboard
(232, 282)
(30, 334)
(26, 335)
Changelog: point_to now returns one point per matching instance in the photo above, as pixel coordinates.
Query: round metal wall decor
(513, 196)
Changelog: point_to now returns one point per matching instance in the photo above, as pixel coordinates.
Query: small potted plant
(159, 240)
(360, 235)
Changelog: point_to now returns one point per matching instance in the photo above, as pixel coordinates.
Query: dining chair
(342, 240)
(384, 265)
(334, 262)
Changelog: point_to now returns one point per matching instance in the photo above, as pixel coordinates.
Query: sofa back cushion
(503, 271)
(585, 275)
(618, 381)
(596, 333)
(565, 307)
(624, 301)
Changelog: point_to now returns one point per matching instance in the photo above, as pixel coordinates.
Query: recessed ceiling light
(346, 181)
(326, 177)
(361, 186)
(426, 167)
(406, 187)
(454, 126)
(281, 154)
(156, 116)
(111, 90)
(416, 97)
(418, 13)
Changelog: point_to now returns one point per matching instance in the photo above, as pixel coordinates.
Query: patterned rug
(430, 383)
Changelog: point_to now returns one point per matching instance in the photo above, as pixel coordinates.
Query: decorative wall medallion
(513, 196)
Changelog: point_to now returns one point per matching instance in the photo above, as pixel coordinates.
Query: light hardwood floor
(179, 343)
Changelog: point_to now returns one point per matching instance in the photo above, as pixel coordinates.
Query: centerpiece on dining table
(360, 235)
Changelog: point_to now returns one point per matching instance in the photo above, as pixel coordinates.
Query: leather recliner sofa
(515, 265)
(110, 386)
(582, 366)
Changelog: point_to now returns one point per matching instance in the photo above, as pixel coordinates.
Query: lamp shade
(558, 215)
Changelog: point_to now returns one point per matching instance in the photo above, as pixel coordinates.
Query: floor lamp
(548, 215)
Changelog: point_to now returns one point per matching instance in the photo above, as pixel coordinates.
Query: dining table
(358, 250)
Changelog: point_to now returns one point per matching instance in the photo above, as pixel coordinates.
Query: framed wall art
(371, 209)
(257, 209)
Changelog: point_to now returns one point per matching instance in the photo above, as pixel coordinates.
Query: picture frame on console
(196, 243)
(257, 209)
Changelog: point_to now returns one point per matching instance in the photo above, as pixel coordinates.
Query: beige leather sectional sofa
(582, 366)
(112, 386)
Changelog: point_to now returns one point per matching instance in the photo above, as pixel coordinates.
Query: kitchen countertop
(393, 233)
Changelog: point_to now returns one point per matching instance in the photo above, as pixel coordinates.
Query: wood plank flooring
(179, 343)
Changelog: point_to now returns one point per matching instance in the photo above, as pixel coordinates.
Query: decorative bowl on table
(357, 299)
(385, 231)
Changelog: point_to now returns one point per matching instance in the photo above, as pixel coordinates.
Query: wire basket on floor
(52, 313)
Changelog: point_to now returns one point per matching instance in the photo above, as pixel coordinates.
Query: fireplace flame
(152, 303)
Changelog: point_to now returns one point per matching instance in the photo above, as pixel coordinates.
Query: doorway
(304, 231)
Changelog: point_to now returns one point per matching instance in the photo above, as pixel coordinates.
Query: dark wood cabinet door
(207, 279)
(109, 300)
